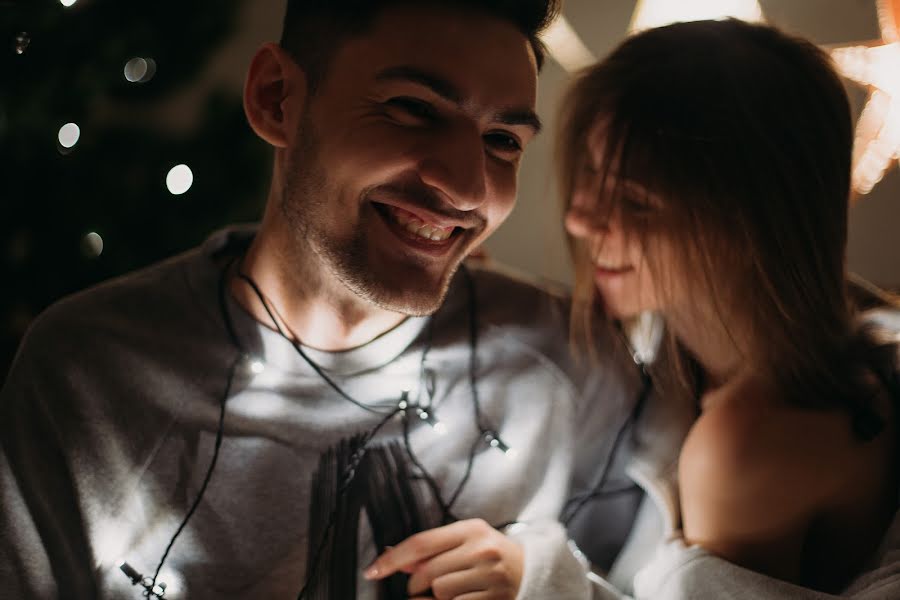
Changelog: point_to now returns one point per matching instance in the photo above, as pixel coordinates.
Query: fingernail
(371, 573)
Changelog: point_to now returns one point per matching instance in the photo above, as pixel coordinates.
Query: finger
(458, 583)
(458, 559)
(408, 569)
(416, 549)
(482, 596)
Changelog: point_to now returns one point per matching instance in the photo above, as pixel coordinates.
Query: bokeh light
(22, 42)
(140, 70)
(68, 135)
(92, 245)
(179, 180)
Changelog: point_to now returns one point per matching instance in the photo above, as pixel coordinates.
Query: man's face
(407, 154)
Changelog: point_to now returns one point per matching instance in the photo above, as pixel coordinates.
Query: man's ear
(274, 94)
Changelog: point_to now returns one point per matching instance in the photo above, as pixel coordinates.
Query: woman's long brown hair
(745, 133)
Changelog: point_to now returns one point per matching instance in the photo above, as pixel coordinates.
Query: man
(263, 416)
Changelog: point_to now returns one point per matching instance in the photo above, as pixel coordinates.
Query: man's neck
(310, 306)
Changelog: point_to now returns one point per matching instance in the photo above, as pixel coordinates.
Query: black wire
(220, 429)
(590, 494)
(473, 347)
(570, 511)
(468, 472)
(299, 349)
(209, 472)
(447, 516)
(473, 381)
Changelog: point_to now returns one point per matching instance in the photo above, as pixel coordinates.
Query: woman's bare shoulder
(754, 472)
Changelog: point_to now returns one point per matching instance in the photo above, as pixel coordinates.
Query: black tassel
(349, 478)
(335, 505)
(397, 509)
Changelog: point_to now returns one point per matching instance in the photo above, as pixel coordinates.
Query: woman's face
(620, 258)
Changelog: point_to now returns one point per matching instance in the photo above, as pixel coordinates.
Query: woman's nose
(583, 223)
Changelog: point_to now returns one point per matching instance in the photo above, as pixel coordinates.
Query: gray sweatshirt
(109, 420)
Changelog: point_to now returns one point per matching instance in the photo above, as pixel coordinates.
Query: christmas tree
(85, 170)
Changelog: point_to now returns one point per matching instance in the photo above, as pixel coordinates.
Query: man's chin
(414, 294)
(414, 302)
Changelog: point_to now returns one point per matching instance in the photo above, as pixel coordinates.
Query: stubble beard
(343, 259)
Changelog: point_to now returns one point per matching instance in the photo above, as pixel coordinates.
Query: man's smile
(423, 231)
(419, 226)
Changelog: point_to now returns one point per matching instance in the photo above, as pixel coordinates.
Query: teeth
(420, 228)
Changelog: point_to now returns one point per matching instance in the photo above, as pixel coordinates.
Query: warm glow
(566, 47)
(877, 142)
(656, 13)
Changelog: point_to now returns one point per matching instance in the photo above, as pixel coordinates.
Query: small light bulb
(129, 571)
(428, 417)
(494, 441)
(67, 3)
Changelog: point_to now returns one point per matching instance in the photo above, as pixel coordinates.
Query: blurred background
(123, 141)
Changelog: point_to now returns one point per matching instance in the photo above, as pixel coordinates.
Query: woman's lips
(609, 272)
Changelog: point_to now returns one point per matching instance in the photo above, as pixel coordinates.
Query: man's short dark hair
(314, 29)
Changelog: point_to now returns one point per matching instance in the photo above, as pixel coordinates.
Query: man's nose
(456, 165)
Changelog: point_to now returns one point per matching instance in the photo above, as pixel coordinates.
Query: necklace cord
(577, 502)
(299, 348)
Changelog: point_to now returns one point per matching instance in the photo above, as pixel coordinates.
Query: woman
(707, 170)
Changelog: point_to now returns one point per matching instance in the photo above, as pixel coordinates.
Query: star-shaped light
(877, 142)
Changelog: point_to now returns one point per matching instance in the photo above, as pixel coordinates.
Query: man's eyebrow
(438, 85)
(519, 117)
(451, 93)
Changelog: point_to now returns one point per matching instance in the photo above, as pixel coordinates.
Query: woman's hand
(468, 560)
